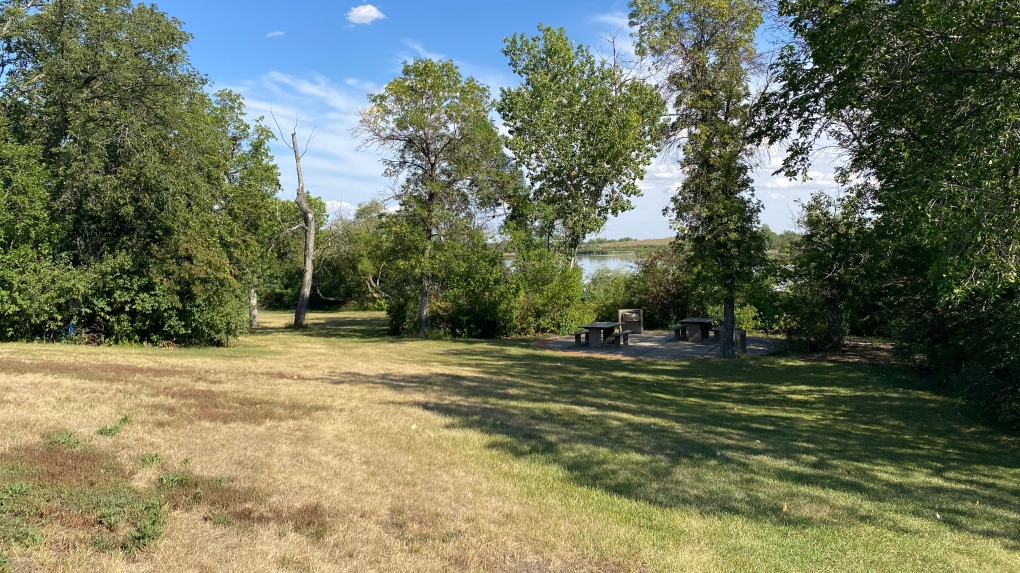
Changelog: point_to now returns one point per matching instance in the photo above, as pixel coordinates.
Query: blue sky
(318, 60)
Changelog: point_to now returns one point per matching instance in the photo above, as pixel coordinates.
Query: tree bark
(726, 346)
(423, 317)
(253, 308)
(309, 223)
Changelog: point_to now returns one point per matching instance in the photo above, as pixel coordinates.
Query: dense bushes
(124, 184)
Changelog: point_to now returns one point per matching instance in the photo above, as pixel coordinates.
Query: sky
(312, 63)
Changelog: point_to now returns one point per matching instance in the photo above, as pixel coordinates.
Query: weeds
(110, 431)
(149, 529)
(64, 439)
(149, 460)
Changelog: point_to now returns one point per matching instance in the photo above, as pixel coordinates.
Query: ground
(338, 448)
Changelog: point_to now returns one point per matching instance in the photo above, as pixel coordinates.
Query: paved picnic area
(652, 346)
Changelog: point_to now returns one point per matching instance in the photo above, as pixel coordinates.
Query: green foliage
(609, 290)
(708, 49)
(132, 202)
(548, 289)
(444, 152)
(833, 263)
(64, 439)
(923, 98)
(580, 129)
(115, 429)
(149, 528)
(149, 460)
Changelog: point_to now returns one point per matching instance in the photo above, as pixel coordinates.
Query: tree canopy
(581, 130)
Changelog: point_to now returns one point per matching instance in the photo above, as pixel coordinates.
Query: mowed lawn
(339, 448)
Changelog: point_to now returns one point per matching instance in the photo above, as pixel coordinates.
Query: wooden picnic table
(597, 331)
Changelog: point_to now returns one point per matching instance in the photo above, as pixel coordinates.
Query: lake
(617, 261)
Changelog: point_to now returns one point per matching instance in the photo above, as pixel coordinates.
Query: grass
(339, 448)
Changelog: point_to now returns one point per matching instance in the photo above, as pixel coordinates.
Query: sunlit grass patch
(338, 447)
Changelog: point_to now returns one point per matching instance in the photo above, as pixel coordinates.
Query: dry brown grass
(302, 461)
(340, 449)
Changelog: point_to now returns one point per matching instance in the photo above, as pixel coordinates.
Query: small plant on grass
(174, 480)
(150, 527)
(115, 429)
(5, 565)
(64, 439)
(149, 460)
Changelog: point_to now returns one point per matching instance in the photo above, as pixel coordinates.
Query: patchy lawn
(338, 448)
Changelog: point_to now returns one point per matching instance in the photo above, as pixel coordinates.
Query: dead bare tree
(308, 223)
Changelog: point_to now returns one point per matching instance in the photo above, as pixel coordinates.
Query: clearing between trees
(339, 448)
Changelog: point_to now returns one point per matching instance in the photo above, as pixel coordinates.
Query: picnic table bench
(616, 338)
(739, 338)
(692, 329)
(597, 332)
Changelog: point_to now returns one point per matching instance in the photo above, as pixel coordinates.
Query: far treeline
(141, 206)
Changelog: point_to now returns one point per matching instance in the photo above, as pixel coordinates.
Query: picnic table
(597, 331)
(693, 329)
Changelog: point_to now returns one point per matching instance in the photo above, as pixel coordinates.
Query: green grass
(774, 463)
(755, 464)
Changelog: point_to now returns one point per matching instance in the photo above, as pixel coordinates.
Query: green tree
(924, 97)
(830, 270)
(101, 92)
(443, 152)
(580, 129)
(706, 50)
(249, 205)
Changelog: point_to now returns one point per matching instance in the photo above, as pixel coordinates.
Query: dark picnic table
(693, 329)
(597, 331)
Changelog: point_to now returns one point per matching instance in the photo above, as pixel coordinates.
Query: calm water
(621, 261)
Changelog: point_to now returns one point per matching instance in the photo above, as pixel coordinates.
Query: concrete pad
(652, 346)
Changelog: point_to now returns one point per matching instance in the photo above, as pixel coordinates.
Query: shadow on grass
(341, 326)
(838, 443)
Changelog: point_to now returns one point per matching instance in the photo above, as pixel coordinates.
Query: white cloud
(618, 20)
(275, 34)
(421, 51)
(364, 14)
(333, 167)
(363, 85)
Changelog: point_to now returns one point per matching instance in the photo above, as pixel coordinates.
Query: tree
(830, 270)
(582, 131)
(705, 49)
(250, 204)
(102, 93)
(443, 152)
(924, 99)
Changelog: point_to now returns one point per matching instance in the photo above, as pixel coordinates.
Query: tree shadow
(837, 443)
(353, 325)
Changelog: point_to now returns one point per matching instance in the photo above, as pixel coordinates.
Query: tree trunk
(423, 305)
(726, 346)
(253, 308)
(309, 222)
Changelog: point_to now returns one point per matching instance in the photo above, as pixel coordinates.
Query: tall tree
(582, 131)
(705, 50)
(924, 98)
(442, 150)
(104, 91)
(249, 204)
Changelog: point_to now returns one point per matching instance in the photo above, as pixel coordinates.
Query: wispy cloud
(363, 85)
(275, 34)
(421, 51)
(364, 14)
(333, 167)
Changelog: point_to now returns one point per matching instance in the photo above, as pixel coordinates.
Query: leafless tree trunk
(253, 308)
(309, 223)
